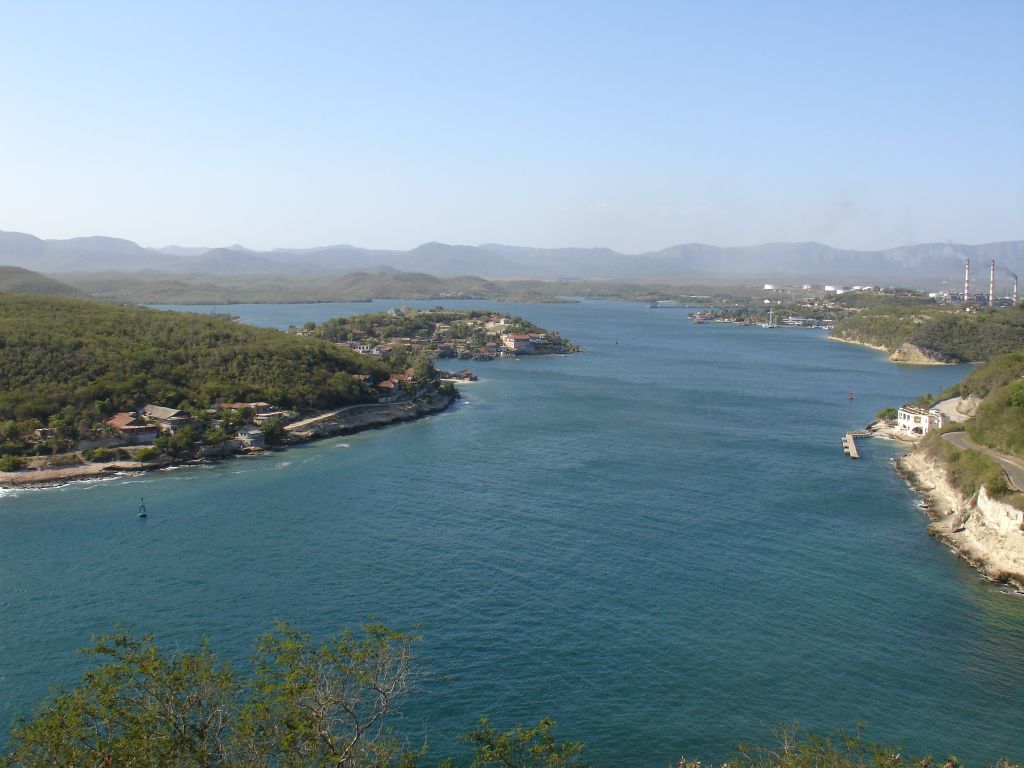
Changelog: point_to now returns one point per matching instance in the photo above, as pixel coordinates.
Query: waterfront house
(169, 419)
(389, 391)
(264, 416)
(257, 409)
(915, 421)
(251, 437)
(132, 429)
(519, 342)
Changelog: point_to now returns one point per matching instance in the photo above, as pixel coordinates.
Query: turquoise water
(659, 543)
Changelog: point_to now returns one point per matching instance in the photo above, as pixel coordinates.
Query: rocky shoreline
(984, 532)
(906, 353)
(346, 421)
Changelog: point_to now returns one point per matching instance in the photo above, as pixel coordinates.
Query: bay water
(657, 542)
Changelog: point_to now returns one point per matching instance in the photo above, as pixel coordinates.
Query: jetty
(850, 446)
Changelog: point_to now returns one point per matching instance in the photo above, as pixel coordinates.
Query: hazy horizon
(580, 125)
(287, 247)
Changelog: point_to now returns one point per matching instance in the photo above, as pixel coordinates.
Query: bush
(65, 460)
(888, 415)
(967, 471)
(273, 431)
(9, 463)
(98, 454)
(146, 454)
(215, 436)
(180, 444)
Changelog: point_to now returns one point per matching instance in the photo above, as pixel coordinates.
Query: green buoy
(142, 507)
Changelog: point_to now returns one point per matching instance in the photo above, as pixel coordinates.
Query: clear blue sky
(634, 125)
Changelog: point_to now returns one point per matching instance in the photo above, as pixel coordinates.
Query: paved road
(1014, 468)
(331, 414)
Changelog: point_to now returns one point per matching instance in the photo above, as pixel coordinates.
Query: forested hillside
(942, 333)
(18, 280)
(85, 360)
(357, 286)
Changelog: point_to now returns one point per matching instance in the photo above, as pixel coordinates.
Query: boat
(142, 507)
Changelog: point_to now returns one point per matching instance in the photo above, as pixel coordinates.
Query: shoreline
(982, 531)
(342, 422)
(875, 347)
(905, 354)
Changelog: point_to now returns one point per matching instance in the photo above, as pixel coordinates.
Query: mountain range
(926, 264)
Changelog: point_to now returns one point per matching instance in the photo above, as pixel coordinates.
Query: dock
(850, 446)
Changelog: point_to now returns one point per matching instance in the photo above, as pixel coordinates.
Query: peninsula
(463, 334)
(136, 388)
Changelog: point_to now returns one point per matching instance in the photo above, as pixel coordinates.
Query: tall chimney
(992, 284)
(1015, 290)
(967, 281)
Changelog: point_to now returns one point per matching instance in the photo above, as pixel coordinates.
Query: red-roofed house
(519, 342)
(132, 429)
(389, 391)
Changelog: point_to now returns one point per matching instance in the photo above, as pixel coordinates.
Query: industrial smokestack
(967, 281)
(992, 285)
(1015, 290)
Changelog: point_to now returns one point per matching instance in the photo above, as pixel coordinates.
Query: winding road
(1014, 467)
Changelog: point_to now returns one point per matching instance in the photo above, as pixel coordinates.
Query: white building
(917, 421)
(251, 437)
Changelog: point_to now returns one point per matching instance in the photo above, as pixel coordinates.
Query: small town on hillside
(465, 335)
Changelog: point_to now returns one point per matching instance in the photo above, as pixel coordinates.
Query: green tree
(140, 708)
(423, 367)
(304, 706)
(521, 747)
(327, 705)
(887, 414)
(9, 463)
(273, 431)
(146, 454)
(215, 436)
(180, 444)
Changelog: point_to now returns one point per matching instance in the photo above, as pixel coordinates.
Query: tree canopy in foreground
(315, 705)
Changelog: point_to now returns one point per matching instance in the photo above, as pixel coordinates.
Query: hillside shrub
(98, 454)
(11, 463)
(149, 453)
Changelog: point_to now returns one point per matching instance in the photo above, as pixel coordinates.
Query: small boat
(142, 507)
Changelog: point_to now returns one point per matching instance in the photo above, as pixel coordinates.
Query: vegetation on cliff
(999, 419)
(312, 705)
(967, 470)
(998, 423)
(945, 334)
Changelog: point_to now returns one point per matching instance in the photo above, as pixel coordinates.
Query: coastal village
(405, 342)
(441, 334)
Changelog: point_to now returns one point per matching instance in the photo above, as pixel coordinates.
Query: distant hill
(927, 264)
(162, 288)
(18, 280)
(98, 358)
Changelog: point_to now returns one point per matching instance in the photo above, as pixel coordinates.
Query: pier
(850, 446)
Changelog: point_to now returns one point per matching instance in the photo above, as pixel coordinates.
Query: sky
(631, 125)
